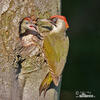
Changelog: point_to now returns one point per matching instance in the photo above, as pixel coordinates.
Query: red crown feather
(61, 17)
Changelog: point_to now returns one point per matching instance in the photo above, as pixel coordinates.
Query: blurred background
(81, 73)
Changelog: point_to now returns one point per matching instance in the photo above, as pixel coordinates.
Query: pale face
(28, 25)
(58, 25)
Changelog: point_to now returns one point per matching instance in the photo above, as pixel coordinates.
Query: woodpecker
(28, 32)
(55, 48)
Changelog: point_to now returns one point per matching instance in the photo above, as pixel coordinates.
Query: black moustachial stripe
(47, 27)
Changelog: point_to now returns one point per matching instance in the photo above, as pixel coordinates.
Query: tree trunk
(27, 86)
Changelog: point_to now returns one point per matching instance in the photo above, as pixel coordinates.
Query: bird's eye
(26, 22)
(54, 20)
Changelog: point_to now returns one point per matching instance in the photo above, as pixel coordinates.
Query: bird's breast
(28, 40)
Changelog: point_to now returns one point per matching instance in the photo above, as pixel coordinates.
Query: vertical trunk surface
(27, 88)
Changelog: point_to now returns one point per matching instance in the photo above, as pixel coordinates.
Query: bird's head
(54, 24)
(58, 19)
(59, 23)
(25, 24)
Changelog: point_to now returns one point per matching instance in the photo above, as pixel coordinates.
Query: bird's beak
(45, 23)
(53, 23)
(43, 20)
(32, 27)
(34, 31)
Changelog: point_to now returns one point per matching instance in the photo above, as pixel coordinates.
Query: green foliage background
(82, 69)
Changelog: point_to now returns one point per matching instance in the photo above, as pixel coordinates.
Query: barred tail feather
(56, 79)
(45, 84)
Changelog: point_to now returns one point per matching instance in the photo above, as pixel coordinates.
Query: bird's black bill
(53, 21)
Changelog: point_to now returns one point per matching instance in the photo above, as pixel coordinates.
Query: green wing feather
(56, 49)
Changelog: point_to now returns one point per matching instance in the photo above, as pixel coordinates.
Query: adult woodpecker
(55, 48)
(28, 32)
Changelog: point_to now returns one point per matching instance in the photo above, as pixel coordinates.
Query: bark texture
(27, 87)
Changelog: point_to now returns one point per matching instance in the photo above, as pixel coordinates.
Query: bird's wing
(55, 48)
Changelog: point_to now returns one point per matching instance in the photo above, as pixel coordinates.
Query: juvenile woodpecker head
(25, 24)
(28, 32)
